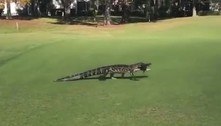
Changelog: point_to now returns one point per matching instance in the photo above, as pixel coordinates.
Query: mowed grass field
(182, 89)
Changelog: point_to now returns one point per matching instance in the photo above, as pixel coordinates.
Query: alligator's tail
(70, 78)
(83, 75)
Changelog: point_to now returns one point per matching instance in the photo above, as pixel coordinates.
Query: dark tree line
(149, 9)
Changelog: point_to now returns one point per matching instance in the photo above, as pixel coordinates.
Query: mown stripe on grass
(19, 54)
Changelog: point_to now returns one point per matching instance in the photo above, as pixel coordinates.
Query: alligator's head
(143, 66)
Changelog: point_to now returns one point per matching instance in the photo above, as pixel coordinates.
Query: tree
(23, 2)
(36, 8)
(67, 9)
(148, 12)
(8, 3)
(1, 8)
(8, 6)
(125, 11)
(107, 15)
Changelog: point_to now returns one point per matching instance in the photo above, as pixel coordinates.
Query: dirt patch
(50, 24)
(45, 24)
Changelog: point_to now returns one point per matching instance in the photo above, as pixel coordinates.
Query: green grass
(182, 89)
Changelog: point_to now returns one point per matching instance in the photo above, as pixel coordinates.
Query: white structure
(13, 7)
(57, 4)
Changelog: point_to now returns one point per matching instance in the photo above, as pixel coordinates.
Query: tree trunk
(8, 15)
(35, 9)
(155, 13)
(67, 10)
(76, 9)
(107, 18)
(125, 12)
(67, 14)
(39, 14)
(147, 10)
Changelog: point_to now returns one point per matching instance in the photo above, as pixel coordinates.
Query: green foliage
(24, 2)
(2, 6)
(183, 87)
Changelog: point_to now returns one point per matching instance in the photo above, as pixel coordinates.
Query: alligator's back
(105, 70)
